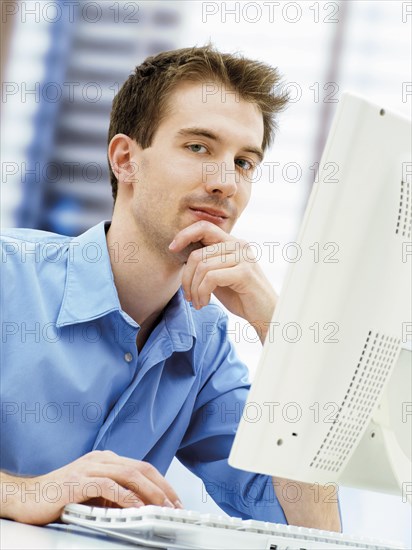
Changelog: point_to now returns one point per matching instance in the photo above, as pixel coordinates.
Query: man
(130, 364)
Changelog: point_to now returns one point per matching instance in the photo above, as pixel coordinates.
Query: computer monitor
(331, 398)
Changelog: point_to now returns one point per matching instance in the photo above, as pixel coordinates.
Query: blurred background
(63, 62)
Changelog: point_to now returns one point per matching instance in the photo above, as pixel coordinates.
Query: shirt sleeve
(207, 442)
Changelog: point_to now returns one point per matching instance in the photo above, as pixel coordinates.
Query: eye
(247, 164)
(197, 145)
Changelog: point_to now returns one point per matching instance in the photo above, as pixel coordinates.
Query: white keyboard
(168, 528)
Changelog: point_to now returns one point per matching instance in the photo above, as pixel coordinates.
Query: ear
(122, 156)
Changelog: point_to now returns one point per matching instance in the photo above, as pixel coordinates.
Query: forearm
(308, 505)
(10, 489)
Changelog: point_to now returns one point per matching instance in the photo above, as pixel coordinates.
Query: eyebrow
(204, 132)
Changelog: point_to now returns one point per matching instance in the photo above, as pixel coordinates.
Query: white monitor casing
(322, 386)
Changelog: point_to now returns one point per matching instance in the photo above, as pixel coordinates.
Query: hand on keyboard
(101, 475)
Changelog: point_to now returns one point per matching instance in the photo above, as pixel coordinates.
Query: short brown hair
(141, 103)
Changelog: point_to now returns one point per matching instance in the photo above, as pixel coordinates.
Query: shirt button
(128, 357)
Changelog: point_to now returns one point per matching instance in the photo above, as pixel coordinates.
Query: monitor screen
(343, 315)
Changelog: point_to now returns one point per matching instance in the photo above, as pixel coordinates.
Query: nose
(221, 178)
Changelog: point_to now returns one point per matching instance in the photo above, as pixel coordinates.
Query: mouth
(209, 214)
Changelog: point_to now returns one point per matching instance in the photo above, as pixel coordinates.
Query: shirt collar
(90, 291)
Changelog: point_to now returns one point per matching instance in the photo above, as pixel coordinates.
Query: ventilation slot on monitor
(404, 221)
(375, 362)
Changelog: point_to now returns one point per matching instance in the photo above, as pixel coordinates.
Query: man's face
(199, 166)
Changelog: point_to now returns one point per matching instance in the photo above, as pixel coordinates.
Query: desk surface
(18, 536)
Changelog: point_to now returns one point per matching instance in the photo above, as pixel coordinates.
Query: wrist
(263, 322)
(10, 493)
(308, 507)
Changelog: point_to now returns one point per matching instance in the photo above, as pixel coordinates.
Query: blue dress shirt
(72, 379)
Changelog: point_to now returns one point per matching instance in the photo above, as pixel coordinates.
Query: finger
(156, 477)
(151, 493)
(103, 491)
(204, 232)
(218, 278)
(196, 257)
(203, 255)
(142, 478)
(126, 468)
(202, 269)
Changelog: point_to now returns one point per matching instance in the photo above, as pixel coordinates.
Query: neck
(145, 280)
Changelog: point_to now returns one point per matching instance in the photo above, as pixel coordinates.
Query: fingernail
(167, 503)
(178, 504)
(172, 244)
